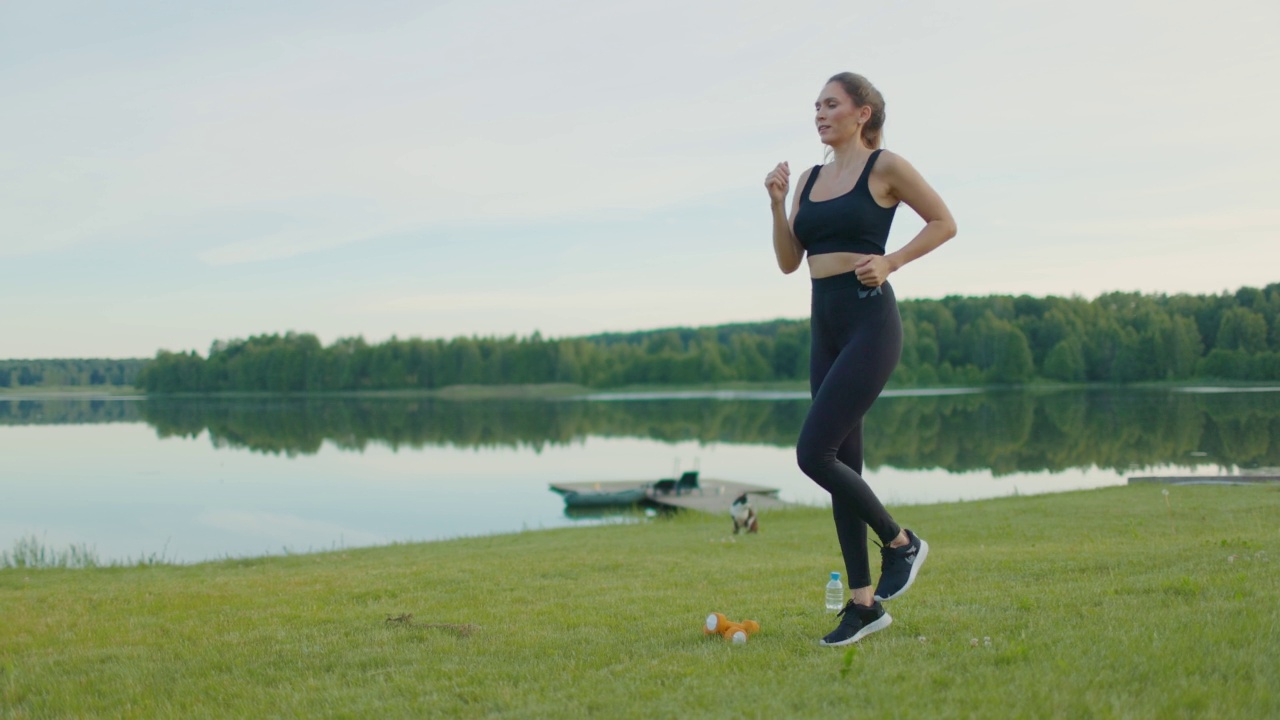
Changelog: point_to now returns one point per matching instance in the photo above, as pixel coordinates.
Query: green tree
(1065, 362)
(999, 349)
(1242, 329)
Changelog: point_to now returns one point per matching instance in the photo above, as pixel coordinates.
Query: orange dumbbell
(737, 632)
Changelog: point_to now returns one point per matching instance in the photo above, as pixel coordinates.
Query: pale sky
(175, 173)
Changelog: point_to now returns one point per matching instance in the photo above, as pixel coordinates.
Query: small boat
(688, 482)
(603, 498)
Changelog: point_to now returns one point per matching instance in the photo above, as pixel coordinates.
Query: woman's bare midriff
(829, 264)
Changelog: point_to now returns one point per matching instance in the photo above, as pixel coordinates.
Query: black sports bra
(853, 222)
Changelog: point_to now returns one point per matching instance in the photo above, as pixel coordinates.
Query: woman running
(840, 220)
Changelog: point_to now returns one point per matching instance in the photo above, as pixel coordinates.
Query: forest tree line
(70, 372)
(1118, 337)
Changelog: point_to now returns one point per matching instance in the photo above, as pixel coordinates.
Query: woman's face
(837, 116)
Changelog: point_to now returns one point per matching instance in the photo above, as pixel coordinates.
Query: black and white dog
(744, 516)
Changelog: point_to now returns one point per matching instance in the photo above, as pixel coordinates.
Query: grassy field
(1105, 603)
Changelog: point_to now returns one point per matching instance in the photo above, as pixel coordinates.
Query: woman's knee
(814, 460)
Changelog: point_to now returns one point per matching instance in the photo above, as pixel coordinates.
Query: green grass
(31, 553)
(1103, 603)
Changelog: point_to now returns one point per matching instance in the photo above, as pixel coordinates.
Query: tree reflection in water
(1005, 432)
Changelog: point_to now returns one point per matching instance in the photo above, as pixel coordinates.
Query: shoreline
(631, 516)
(635, 515)
(563, 391)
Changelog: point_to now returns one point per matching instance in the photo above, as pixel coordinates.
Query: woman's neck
(849, 155)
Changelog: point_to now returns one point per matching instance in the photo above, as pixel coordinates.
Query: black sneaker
(899, 566)
(858, 621)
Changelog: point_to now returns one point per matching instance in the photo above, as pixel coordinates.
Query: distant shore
(567, 391)
(69, 391)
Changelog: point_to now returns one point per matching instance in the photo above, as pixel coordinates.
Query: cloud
(214, 147)
(281, 235)
(1201, 224)
(541, 300)
(415, 119)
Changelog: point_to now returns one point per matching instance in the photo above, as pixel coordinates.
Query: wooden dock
(711, 495)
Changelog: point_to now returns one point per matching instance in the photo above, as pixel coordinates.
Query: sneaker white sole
(915, 570)
(879, 623)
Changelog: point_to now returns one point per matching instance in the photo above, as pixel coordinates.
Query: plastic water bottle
(835, 594)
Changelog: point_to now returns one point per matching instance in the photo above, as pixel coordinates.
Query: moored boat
(603, 498)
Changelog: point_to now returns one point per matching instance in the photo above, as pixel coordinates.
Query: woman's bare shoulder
(892, 163)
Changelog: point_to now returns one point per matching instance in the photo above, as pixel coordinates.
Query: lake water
(209, 478)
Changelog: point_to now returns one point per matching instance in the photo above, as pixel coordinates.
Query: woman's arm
(906, 184)
(786, 248)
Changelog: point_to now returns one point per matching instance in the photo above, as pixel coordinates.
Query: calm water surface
(202, 479)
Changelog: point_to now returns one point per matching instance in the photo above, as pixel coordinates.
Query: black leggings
(857, 341)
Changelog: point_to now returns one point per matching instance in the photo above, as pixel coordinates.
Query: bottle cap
(835, 576)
